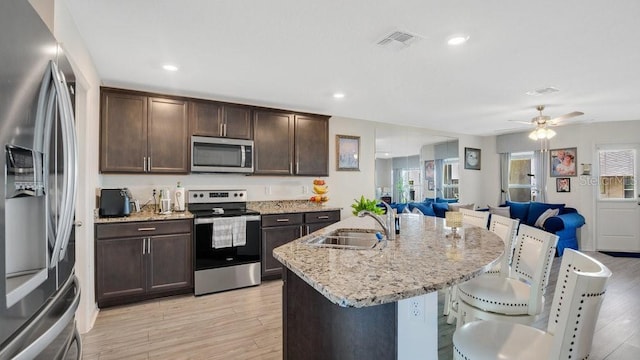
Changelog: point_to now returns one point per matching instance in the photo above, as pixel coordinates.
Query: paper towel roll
(179, 199)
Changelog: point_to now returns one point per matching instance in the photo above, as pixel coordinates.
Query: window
(450, 178)
(407, 185)
(617, 174)
(522, 185)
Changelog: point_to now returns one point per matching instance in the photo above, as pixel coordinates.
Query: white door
(617, 204)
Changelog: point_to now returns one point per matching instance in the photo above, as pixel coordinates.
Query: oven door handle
(209, 220)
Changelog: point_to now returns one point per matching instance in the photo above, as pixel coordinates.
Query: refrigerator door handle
(39, 344)
(70, 175)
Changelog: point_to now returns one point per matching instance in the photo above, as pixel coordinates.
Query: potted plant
(366, 204)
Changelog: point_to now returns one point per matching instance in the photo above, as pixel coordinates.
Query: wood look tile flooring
(247, 323)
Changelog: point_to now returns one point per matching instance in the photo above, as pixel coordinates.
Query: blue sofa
(565, 224)
(429, 207)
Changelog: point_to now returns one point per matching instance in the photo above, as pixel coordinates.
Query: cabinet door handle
(282, 220)
(144, 164)
(307, 231)
(323, 217)
(148, 245)
(220, 130)
(224, 127)
(147, 229)
(149, 169)
(297, 167)
(144, 246)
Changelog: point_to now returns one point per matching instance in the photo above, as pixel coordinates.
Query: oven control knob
(241, 194)
(235, 194)
(195, 195)
(201, 195)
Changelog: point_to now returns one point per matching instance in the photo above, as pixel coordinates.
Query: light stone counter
(421, 260)
(144, 215)
(287, 206)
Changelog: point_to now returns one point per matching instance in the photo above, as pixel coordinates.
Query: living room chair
(476, 218)
(518, 297)
(506, 229)
(576, 303)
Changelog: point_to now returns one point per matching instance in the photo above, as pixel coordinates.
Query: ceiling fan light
(542, 133)
(533, 135)
(550, 133)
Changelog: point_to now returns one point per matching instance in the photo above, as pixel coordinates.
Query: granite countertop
(419, 261)
(145, 215)
(287, 206)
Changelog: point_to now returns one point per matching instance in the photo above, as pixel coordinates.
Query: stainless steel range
(226, 239)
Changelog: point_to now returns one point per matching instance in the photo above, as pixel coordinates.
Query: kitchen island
(377, 303)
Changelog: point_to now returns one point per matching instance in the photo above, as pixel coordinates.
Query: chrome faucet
(389, 226)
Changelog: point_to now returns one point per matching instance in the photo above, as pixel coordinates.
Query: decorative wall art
(563, 162)
(348, 153)
(563, 184)
(472, 158)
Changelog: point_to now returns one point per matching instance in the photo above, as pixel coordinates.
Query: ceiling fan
(542, 123)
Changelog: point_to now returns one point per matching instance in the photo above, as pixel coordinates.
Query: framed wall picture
(563, 184)
(429, 170)
(347, 153)
(472, 158)
(563, 162)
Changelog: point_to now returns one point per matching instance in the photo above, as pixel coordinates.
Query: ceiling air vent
(400, 37)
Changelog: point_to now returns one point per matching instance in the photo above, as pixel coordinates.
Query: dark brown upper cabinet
(290, 144)
(210, 118)
(311, 145)
(143, 134)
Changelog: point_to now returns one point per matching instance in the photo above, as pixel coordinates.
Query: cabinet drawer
(281, 219)
(322, 216)
(147, 228)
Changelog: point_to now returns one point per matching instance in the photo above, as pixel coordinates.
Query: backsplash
(259, 188)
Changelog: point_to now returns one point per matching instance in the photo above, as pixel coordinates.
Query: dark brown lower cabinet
(279, 229)
(313, 328)
(142, 260)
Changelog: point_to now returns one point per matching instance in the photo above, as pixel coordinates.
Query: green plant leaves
(366, 204)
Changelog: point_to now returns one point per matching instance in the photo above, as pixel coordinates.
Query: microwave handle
(243, 159)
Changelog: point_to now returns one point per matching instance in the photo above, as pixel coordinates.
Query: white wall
(87, 120)
(585, 137)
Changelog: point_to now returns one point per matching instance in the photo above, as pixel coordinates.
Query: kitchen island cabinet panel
(123, 132)
(144, 260)
(315, 328)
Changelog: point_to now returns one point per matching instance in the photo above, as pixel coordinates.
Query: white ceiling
(294, 54)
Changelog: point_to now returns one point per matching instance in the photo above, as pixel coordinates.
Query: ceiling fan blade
(554, 121)
(521, 122)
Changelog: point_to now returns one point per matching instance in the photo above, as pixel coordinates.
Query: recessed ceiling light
(338, 95)
(169, 67)
(457, 40)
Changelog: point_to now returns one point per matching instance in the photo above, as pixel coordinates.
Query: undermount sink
(353, 239)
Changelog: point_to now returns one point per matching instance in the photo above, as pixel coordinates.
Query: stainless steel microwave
(212, 154)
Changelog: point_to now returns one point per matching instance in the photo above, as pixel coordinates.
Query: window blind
(617, 162)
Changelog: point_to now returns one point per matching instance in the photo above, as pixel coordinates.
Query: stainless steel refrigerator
(39, 292)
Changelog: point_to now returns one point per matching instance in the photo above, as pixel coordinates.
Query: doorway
(617, 201)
